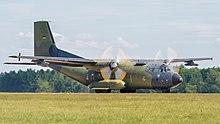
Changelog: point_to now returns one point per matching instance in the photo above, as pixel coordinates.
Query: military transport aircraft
(104, 75)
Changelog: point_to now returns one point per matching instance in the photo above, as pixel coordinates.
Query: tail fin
(44, 44)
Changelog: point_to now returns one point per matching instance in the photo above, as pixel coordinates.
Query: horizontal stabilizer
(58, 60)
(16, 63)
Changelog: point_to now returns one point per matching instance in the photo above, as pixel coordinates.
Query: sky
(114, 29)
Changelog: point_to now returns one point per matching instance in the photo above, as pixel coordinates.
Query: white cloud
(107, 54)
(24, 41)
(204, 27)
(87, 40)
(3, 50)
(17, 8)
(195, 26)
(206, 34)
(84, 40)
(86, 44)
(84, 36)
(25, 35)
(125, 44)
(217, 40)
(118, 53)
(59, 37)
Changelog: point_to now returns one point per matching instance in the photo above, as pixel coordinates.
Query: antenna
(19, 54)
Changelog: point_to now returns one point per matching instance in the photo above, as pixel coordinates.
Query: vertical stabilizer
(44, 44)
(43, 38)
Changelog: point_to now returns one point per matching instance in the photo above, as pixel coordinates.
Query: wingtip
(13, 56)
(6, 63)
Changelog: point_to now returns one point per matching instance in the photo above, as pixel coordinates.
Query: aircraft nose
(176, 79)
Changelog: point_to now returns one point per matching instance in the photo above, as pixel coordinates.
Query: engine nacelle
(191, 63)
(113, 65)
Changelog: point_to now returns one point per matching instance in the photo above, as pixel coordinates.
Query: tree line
(195, 80)
(38, 81)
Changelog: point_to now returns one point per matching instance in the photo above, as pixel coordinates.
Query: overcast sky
(113, 28)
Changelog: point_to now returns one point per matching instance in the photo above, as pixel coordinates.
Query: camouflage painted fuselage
(137, 77)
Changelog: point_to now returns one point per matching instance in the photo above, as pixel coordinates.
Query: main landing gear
(128, 91)
(103, 91)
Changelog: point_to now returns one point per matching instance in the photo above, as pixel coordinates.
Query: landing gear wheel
(103, 91)
(109, 91)
(165, 90)
(128, 91)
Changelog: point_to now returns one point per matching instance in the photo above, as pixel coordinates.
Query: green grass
(109, 108)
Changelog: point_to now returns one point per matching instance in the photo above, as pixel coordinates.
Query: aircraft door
(93, 76)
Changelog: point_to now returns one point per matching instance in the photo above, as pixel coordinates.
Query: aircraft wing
(190, 59)
(187, 61)
(54, 60)
(81, 61)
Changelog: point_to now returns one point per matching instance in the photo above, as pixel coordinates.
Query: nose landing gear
(165, 90)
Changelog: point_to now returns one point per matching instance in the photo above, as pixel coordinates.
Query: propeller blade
(120, 74)
(112, 72)
(107, 54)
(121, 54)
(158, 55)
(177, 69)
(171, 53)
(106, 73)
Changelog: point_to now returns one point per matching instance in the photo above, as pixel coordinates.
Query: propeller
(158, 55)
(112, 71)
(107, 54)
(171, 54)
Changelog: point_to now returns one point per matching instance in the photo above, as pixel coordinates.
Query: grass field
(109, 108)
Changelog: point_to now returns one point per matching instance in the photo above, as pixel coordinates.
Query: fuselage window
(143, 78)
(92, 76)
(164, 69)
(152, 69)
(87, 77)
(156, 70)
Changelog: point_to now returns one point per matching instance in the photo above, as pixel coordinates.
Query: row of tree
(38, 81)
(195, 81)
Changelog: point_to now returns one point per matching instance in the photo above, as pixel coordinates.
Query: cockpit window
(157, 68)
(164, 69)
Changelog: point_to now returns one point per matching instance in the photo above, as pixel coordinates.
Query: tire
(103, 91)
(128, 91)
(165, 90)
